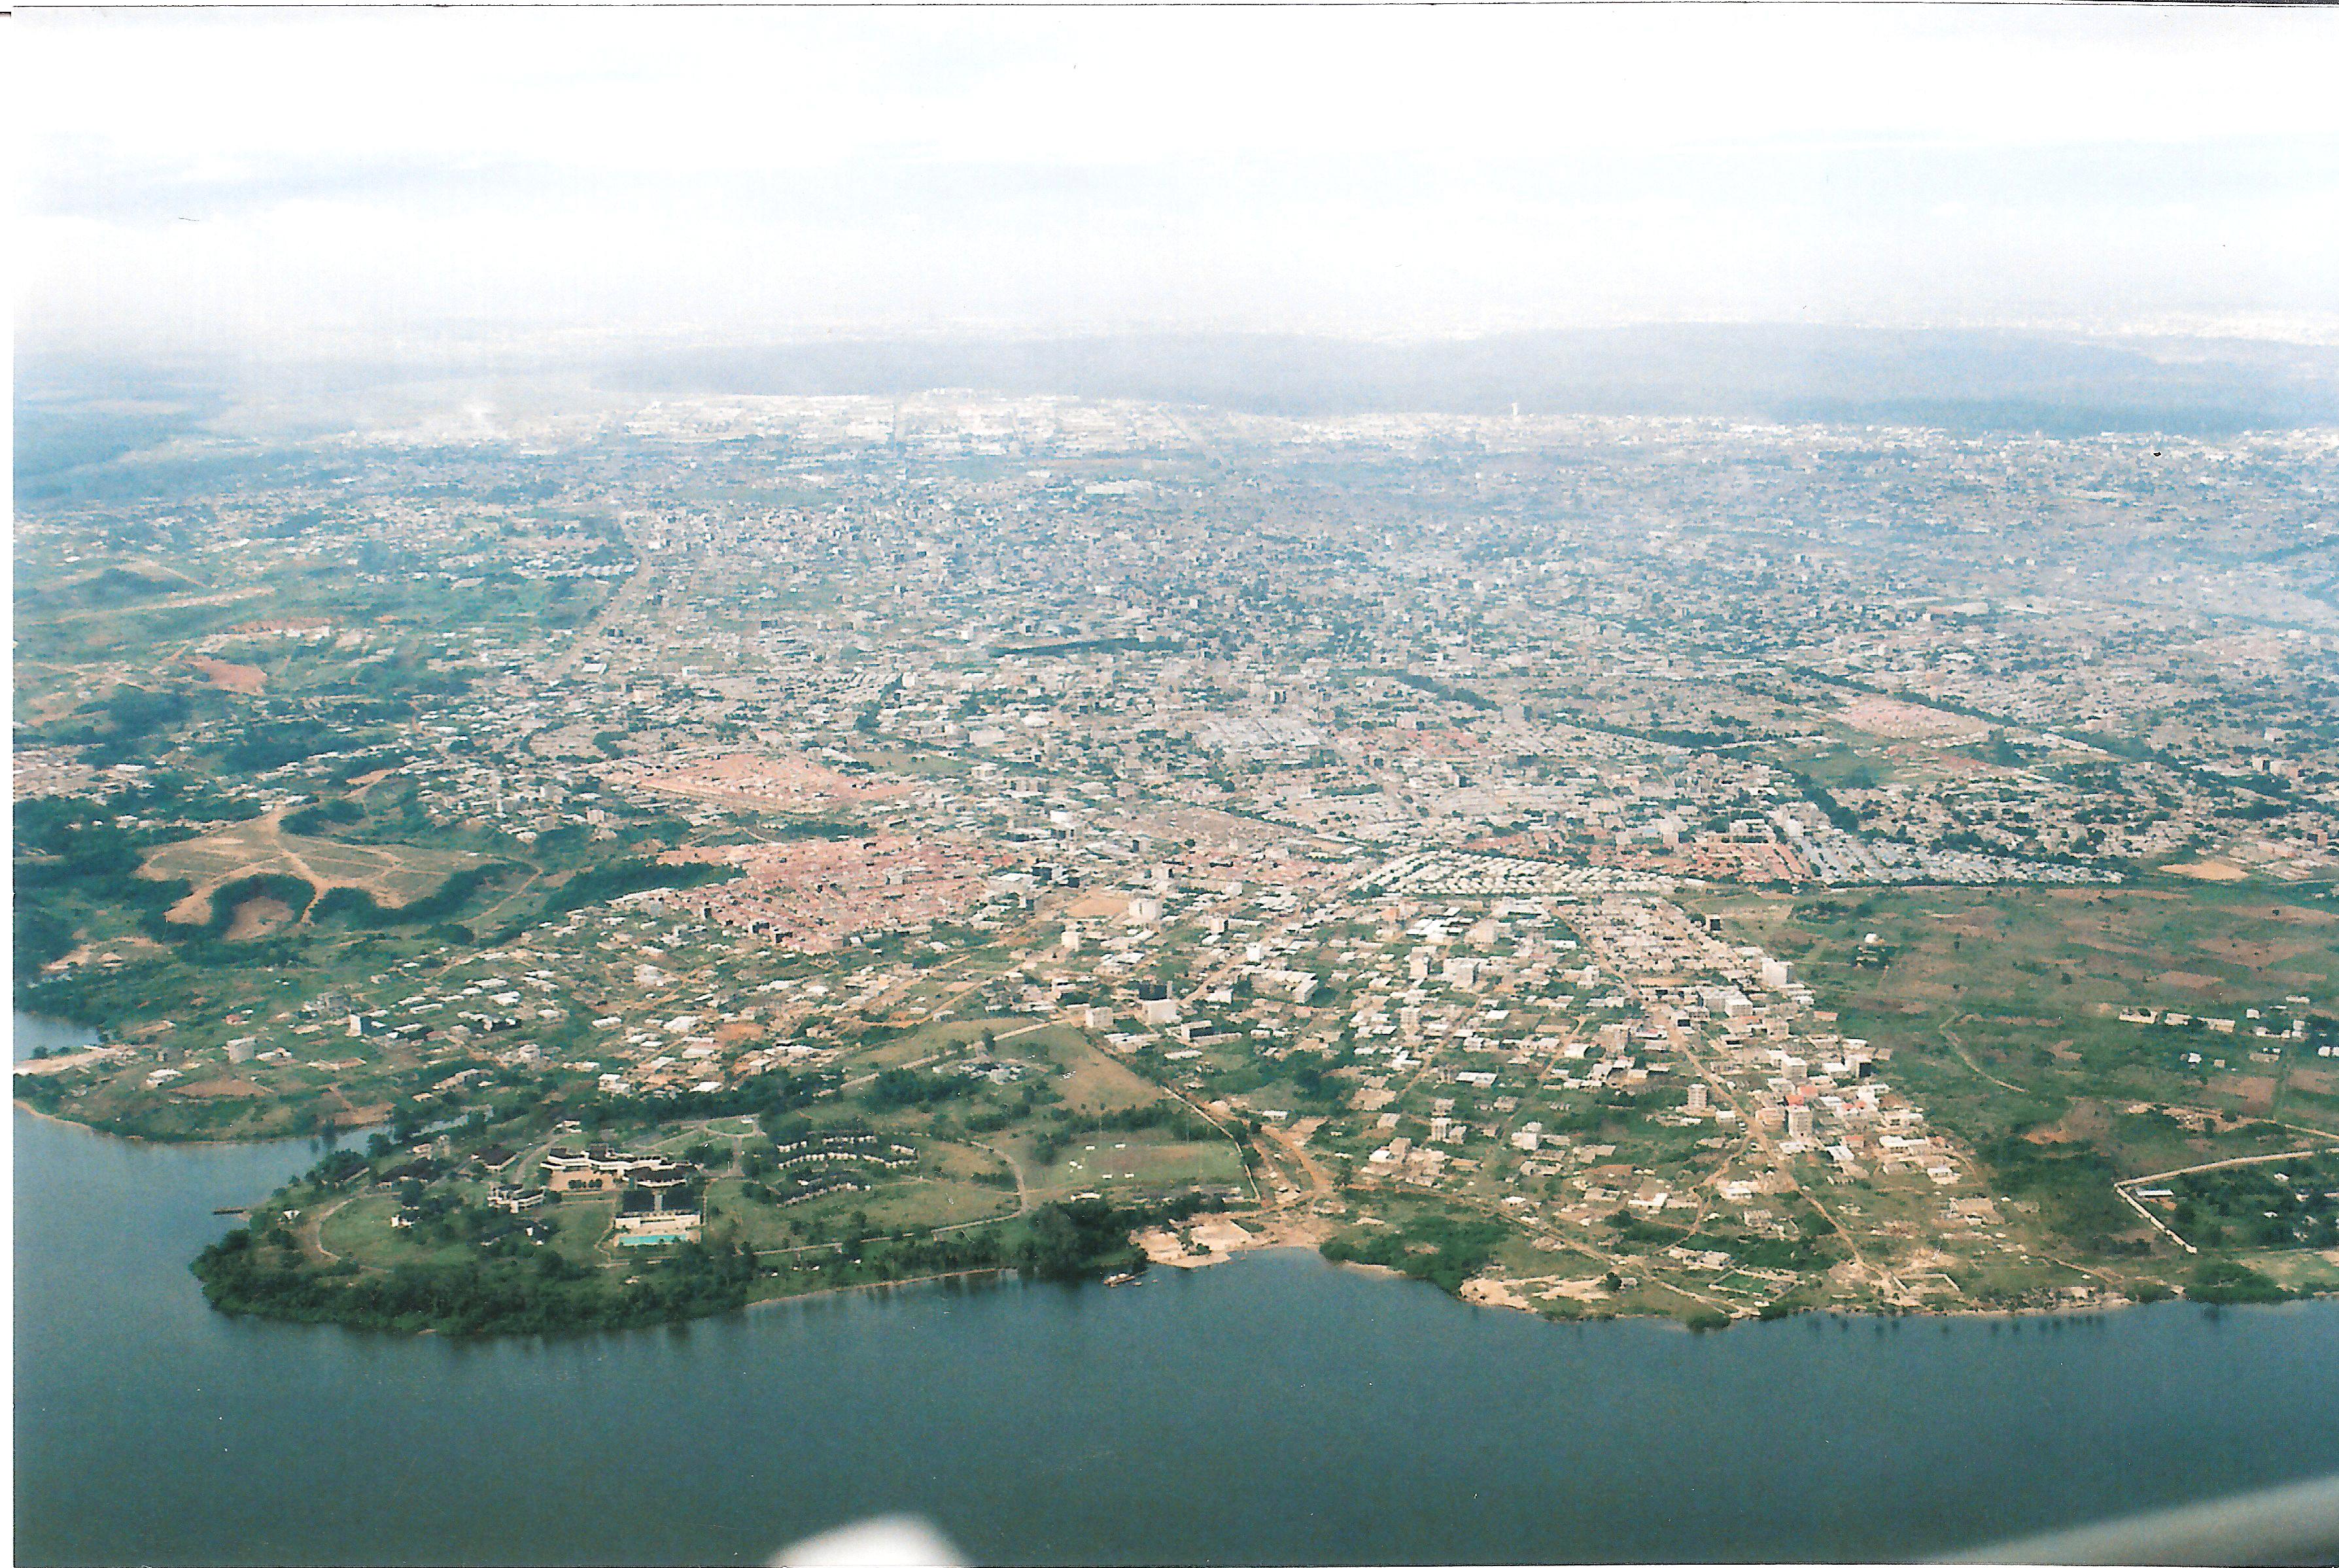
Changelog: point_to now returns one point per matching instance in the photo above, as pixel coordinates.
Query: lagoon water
(1271, 1409)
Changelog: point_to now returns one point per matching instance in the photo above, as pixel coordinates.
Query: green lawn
(1130, 1164)
(893, 1205)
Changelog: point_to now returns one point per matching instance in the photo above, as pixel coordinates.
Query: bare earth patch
(258, 917)
(2253, 954)
(743, 781)
(2084, 1122)
(245, 680)
(1496, 1293)
(1908, 720)
(2255, 1093)
(2188, 980)
(393, 874)
(1166, 1248)
(220, 1089)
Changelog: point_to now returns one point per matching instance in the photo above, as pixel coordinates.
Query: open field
(2074, 1036)
(245, 680)
(393, 874)
(360, 1229)
(2033, 981)
(1094, 1082)
(893, 1204)
(1120, 1164)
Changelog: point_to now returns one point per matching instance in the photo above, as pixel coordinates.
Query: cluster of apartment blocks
(653, 1192)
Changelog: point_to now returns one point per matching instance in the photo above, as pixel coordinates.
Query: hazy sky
(323, 179)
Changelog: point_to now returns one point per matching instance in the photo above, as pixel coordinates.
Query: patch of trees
(291, 891)
(43, 1094)
(1695, 739)
(1104, 646)
(2259, 1206)
(119, 727)
(899, 1087)
(1647, 1232)
(1311, 1079)
(617, 878)
(356, 907)
(1079, 1238)
(109, 589)
(258, 1271)
(819, 827)
(137, 712)
(1441, 690)
(1083, 1239)
(74, 847)
(442, 1218)
(61, 840)
(544, 1294)
(1806, 1249)
(2224, 1283)
(269, 743)
(767, 1095)
(2001, 751)
(162, 794)
(2072, 1187)
(338, 1169)
(324, 815)
(1161, 1113)
(1801, 1254)
(1440, 1250)
(41, 937)
(1834, 810)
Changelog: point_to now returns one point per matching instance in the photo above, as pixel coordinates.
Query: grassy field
(1094, 1083)
(894, 1204)
(2026, 985)
(2002, 1009)
(1127, 1164)
(952, 1037)
(361, 1230)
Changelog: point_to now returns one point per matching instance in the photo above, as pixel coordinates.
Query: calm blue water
(1275, 1408)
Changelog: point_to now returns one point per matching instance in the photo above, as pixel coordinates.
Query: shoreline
(993, 1272)
(1287, 1234)
(33, 1110)
(1382, 1272)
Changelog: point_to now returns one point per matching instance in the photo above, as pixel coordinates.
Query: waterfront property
(1279, 1401)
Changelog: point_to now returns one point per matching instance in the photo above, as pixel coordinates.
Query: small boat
(230, 1212)
(1123, 1278)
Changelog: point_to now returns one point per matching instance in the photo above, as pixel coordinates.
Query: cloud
(319, 176)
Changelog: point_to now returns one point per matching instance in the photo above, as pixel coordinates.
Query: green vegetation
(356, 907)
(509, 1279)
(616, 879)
(2288, 1203)
(1442, 1249)
(265, 1277)
(2003, 1011)
(2226, 1283)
